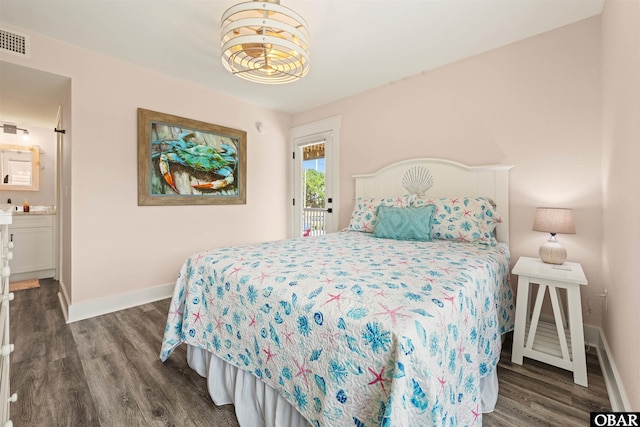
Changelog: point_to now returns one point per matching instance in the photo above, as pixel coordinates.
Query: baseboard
(97, 307)
(617, 396)
(64, 301)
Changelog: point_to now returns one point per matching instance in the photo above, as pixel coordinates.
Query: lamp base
(552, 252)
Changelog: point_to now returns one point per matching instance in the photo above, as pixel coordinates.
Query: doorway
(315, 178)
(41, 101)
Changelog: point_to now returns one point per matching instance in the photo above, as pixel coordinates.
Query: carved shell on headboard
(417, 180)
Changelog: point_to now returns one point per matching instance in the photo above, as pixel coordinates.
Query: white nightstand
(546, 342)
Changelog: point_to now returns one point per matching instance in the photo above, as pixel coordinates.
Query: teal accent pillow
(413, 223)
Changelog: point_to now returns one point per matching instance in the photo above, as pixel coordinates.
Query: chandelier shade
(265, 42)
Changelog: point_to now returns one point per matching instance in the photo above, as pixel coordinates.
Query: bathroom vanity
(33, 234)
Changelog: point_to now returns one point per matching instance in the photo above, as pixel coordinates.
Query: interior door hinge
(294, 155)
(294, 202)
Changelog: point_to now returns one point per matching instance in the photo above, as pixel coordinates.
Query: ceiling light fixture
(265, 42)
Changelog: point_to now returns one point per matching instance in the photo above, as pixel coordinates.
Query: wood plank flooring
(105, 371)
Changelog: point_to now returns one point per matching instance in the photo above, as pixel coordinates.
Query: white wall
(117, 246)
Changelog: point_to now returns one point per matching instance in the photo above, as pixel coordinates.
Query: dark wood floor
(105, 371)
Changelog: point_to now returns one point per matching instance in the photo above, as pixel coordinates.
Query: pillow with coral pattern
(464, 219)
(363, 217)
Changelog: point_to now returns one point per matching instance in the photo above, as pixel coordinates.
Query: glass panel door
(314, 179)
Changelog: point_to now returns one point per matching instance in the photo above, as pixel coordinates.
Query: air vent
(15, 43)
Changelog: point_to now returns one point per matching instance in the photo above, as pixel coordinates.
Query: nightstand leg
(535, 316)
(577, 336)
(558, 315)
(562, 313)
(517, 351)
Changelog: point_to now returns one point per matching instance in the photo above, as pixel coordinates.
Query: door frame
(300, 135)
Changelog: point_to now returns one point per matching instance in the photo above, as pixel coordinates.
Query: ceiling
(356, 45)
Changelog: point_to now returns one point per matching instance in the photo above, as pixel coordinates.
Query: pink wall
(559, 107)
(115, 245)
(534, 104)
(621, 152)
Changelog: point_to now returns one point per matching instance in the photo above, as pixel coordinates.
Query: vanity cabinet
(33, 247)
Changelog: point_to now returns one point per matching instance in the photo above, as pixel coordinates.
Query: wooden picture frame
(188, 162)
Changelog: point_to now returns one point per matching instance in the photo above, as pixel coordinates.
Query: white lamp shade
(554, 221)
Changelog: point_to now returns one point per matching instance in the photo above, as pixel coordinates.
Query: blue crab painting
(205, 168)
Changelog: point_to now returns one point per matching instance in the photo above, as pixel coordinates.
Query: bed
(378, 324)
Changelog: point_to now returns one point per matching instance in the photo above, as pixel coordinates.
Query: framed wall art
(189, 162)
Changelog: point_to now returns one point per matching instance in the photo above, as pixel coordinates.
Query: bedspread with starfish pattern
(353, 329)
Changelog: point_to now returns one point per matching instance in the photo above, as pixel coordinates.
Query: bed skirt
(259, 405)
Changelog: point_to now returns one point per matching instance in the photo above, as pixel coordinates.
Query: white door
(315, 168)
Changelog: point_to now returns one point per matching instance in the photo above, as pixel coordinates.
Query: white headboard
(441, 178)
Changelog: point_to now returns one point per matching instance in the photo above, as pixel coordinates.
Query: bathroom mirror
(19, 168)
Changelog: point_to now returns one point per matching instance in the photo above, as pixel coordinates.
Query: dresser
(6, 348)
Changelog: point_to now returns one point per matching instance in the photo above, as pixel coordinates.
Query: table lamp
(554, 220)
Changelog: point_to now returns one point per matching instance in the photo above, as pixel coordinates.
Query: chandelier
(264, 42)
